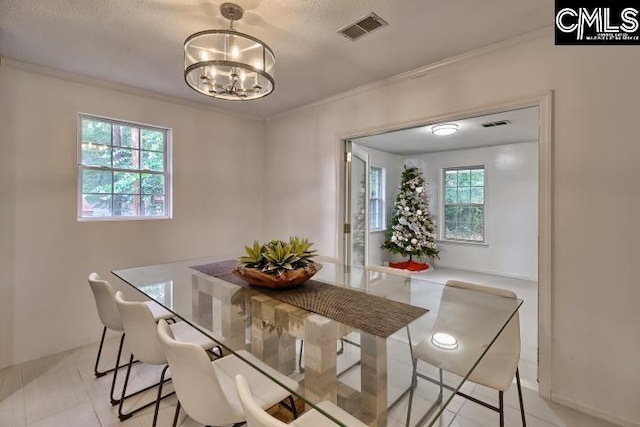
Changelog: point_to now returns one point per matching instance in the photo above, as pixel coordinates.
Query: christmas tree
(412, 226)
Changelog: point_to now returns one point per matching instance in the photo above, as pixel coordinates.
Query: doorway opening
(483, 181)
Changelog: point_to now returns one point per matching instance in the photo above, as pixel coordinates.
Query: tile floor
(61, 390)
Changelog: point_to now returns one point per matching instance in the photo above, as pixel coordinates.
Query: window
(464, 204)
(123, 170)
(376, 199)
(160, 292)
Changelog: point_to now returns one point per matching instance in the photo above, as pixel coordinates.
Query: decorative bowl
(285, 280)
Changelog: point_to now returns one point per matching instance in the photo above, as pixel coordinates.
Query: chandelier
(229, 65)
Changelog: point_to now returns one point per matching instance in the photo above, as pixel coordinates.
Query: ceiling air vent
(363, 27)
(498, 123)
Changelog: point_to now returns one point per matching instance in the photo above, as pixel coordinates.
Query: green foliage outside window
(130, 179)
(464, 204)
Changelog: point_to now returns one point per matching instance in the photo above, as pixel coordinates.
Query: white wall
(511, 234)
(511, 209)
(392, 165)
(595, 193)
(45, 254)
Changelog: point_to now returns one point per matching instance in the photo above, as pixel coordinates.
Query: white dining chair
(258, 417)
(109, 315)
(206, 389)
(497, 367)
(141, 330)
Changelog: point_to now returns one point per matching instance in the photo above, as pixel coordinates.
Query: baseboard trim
(590, 410)
(480, 270)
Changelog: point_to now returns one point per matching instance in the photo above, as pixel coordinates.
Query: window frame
(442, 229)
(167, 173)
(382, 193)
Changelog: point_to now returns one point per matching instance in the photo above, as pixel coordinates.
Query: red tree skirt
(409, 265)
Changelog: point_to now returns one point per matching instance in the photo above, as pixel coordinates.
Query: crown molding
(77, 78)
(412, 74)
(427, 69)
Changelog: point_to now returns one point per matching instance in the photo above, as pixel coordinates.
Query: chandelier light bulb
(243, 76)
(235, 52)
(444, 129)
(258, 65)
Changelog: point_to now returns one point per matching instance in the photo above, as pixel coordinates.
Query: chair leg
(524, 421)
(122, 416)
(97, 372)
(440, 394)
(414, 383)
(176, 416)
(294, 410)
(501, 407)
(300, 368)
(115, 401)
(95, 369)
(215, 352)
(155, 413)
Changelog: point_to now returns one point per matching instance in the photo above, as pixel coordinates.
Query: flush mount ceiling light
(229, 65)
(444, 129)
(444, 341)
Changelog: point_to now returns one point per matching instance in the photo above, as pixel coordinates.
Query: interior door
(356, 227)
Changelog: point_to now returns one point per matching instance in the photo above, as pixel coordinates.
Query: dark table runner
(369, 313)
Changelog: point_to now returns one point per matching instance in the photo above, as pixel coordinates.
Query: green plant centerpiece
(278, 264)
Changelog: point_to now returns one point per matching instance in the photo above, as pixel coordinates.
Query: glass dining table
(367, 375)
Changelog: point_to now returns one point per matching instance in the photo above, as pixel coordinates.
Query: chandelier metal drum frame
(227, 64)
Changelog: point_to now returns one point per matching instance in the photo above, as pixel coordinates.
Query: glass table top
(367, 376)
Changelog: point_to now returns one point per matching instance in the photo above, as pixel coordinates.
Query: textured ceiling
(470, 134)
(139, 42)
